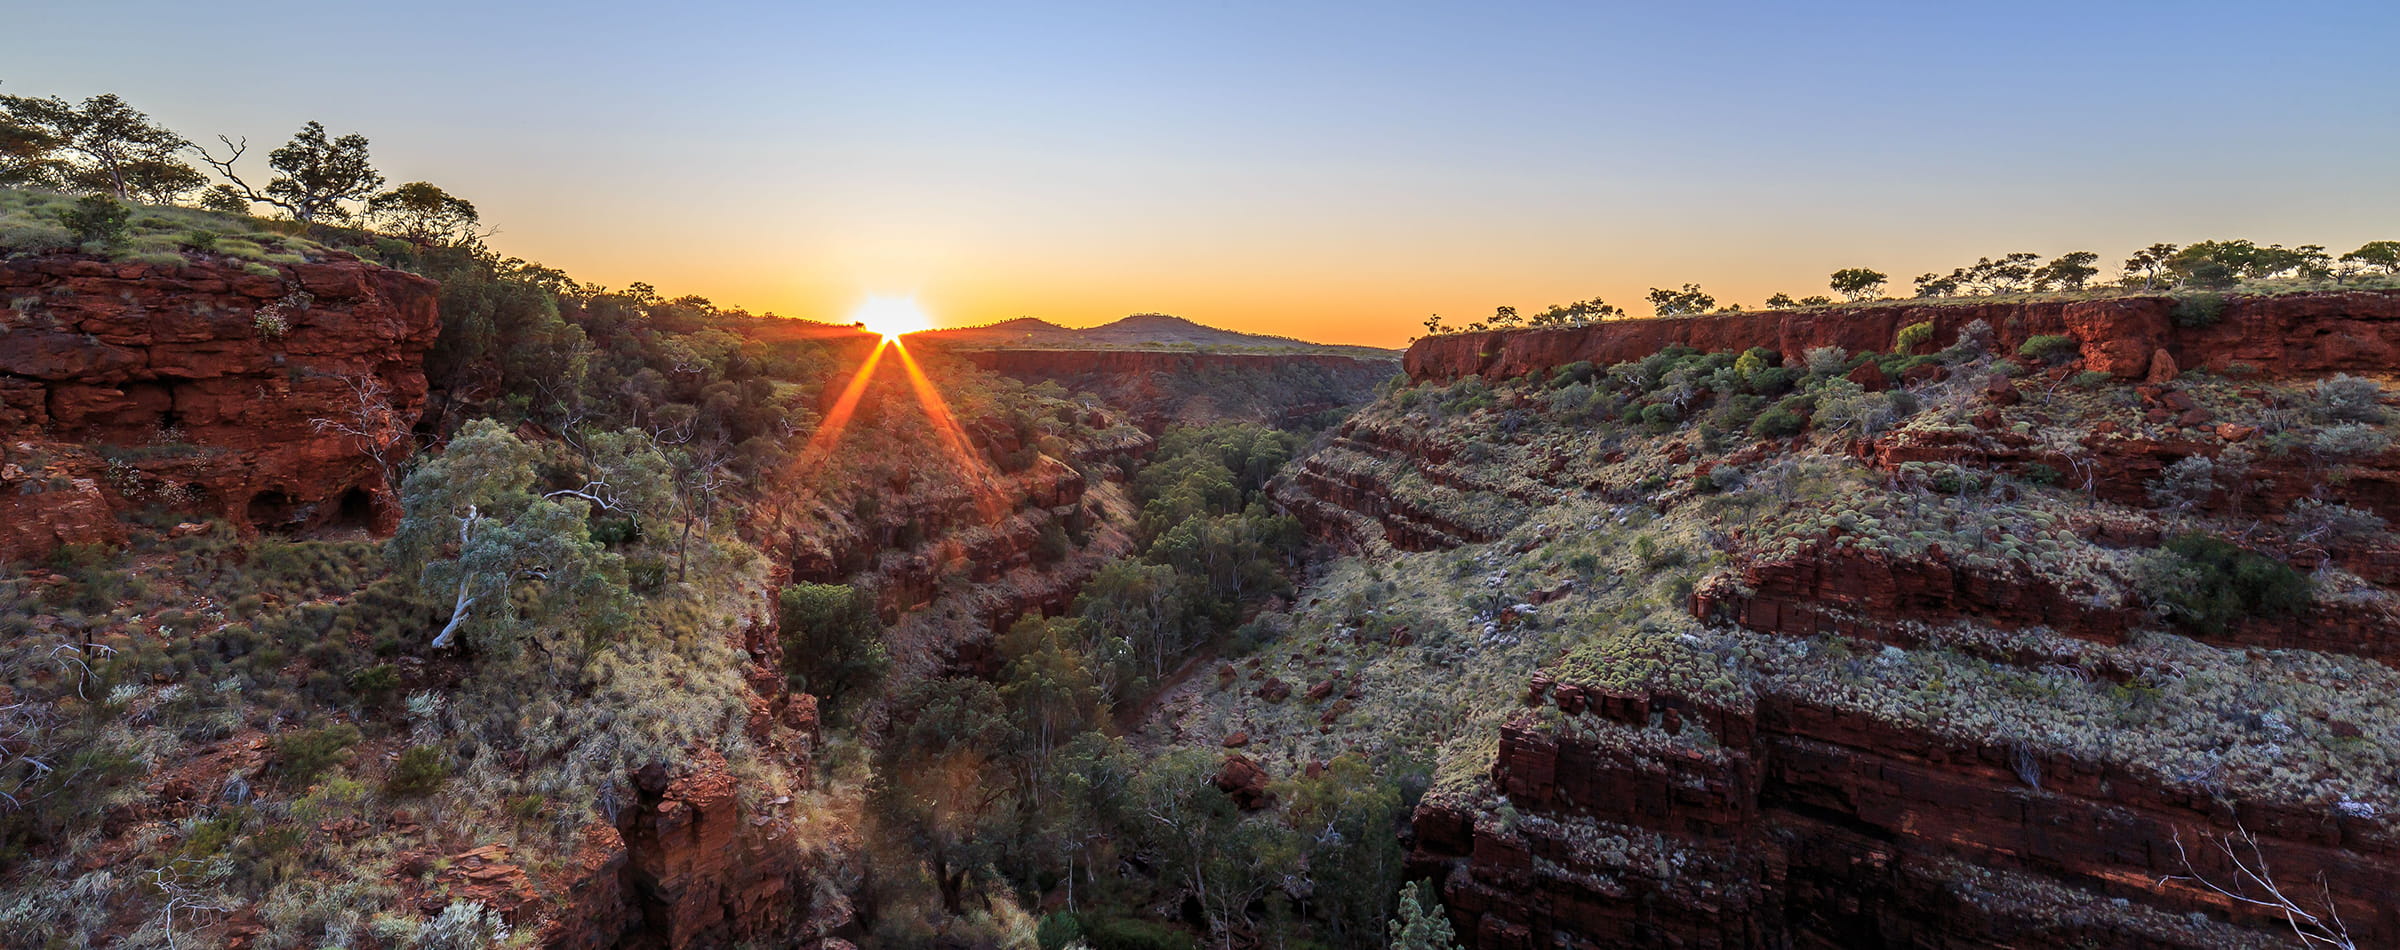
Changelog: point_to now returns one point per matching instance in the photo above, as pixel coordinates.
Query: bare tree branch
(2323, 928)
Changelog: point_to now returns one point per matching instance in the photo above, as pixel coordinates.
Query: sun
(891, 316)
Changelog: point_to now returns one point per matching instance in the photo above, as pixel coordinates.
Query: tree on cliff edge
(1690, 299)
(101, 146)
(2382, 254)
(1858, 283)
(314, 178)
(422, 212)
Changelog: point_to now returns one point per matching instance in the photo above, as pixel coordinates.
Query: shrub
(1578, 372)
(2185, 484)
(2349, 439)
(2206, 582)
(2347, 398)
(1776, 423)
(34, 237)
(98, 218)
(2048, 346)
(419, 771)
(1844, 404)
(1051, 546)
(1772, 381)
(1735, 413)
(302, 756)
(1754, 359)
(1126, 933)
(2199, 310)
(1974, 341)
(1912, 336)
(527, 807)
(2315, 520)
(1826, 360)
(1057, 930)
(463, 925)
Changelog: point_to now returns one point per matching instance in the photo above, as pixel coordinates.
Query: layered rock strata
(211, 387)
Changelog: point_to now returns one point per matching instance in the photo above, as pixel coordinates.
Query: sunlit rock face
(200, 387)
(2282, 334)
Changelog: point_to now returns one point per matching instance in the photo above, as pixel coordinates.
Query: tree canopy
(100, 146)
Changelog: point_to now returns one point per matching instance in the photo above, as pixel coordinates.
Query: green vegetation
(101, 146)
(1688, 300)
(2208, 583)
(2198, 274)
(2047, 347)
(1421, 925)
(2200, 309)
(830, 642)
(418, 773)
(1858, 283)
(302, 756)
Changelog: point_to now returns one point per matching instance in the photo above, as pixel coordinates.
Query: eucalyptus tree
(316, 177)
(98, 146)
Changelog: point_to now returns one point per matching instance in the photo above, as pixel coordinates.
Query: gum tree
(315, 176)
(477, 533)
(100, 146)
(1858, 283)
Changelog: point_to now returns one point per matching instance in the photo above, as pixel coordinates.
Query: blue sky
(1331, 171)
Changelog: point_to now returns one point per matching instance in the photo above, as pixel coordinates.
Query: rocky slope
(1923, 674)
(126, 384)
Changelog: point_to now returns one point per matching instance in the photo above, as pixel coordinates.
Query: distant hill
(1142, 331)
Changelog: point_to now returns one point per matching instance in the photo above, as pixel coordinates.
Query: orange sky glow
(1333, 172)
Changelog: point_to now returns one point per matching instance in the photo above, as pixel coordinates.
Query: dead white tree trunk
(2319, 928)
(466, 580)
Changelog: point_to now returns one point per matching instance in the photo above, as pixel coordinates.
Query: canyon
(1753, 692)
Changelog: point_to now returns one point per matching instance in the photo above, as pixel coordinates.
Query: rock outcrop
(2303, 334)
(199, 387)
(1799, 824)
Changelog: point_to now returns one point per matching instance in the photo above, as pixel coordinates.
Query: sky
(1335, 172)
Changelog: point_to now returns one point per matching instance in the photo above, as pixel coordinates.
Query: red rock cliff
(130, 384)
(2299, 334)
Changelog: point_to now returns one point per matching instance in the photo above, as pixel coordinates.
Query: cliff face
(2287, 334)
(1157, 387)
(1819, 826)
(199, 387)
